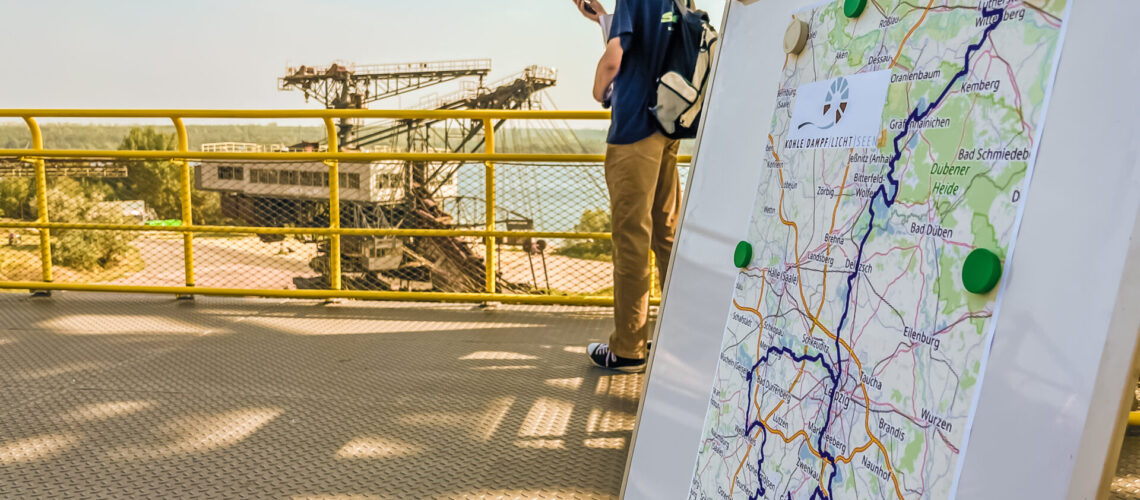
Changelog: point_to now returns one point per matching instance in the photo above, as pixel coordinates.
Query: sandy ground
(247, 262)
(566, 274)
(223, 262)
(250, 263)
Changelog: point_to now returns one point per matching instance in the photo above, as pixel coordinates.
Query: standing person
(641, 167)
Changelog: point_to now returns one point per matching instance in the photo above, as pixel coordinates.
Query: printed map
(902, 141)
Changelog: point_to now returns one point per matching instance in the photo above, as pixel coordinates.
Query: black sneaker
(601, 355)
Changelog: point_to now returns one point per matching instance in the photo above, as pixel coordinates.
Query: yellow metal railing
(182, 157)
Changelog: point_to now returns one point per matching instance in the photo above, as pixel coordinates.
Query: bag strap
(690, 115)
(682, 5)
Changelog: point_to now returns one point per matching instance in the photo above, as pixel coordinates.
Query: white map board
(1048, 407)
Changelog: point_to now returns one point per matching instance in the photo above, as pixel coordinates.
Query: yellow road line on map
(834, 212)
(793, 386)
(799, 276)
(911, 32)
(815, 320)
(823, 295)
(747, 309)
(763, 284)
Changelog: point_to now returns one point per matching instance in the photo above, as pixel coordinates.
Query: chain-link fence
(249, 222)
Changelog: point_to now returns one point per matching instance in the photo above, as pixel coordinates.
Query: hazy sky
(229, 53)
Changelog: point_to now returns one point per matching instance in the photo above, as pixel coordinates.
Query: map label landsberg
(852, 356)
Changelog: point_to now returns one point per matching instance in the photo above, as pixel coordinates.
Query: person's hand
(595, 5)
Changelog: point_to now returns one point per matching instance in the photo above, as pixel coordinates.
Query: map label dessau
(852, 355)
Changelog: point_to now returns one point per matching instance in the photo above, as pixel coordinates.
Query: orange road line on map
(787, 440)
(834, 212)
(815, 322)
(799, 433)
(732, 486)
(801, 373)
(759, 300)
(799, 275)
(815, 319)
(911, 32)
(747, 309)
(793, 386)
(823, 296)
(854, 452)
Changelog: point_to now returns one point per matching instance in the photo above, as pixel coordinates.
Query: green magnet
(743, 255)
(981, 272)
(854, 8)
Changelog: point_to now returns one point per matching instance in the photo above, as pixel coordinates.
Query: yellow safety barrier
(182, 158)
(184, 195)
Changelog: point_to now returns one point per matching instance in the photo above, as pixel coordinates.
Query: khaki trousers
(645, 200)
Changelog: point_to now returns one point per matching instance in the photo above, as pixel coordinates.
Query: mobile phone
(588, 8)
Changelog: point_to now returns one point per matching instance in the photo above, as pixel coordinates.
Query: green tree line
(90, 136)
(155, 182)
(87, 136)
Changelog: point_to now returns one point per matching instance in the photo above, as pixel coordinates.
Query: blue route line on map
(835, 375)
(748, 410)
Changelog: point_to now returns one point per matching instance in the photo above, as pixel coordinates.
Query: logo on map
(846, 112)
(835, 104)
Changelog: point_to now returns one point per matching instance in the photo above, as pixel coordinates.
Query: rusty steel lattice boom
(350, 86)
(409, 194)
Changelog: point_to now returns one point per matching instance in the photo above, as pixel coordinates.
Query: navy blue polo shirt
(644, 27)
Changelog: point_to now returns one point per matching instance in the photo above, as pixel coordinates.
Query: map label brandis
(886, 429)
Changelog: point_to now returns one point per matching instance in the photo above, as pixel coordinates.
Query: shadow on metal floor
(1126, 484)
(128, 396)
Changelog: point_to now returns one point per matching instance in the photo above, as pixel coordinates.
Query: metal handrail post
(488, 295)
(41, 204)
(489, 183)
(187, 203)
(334, 206)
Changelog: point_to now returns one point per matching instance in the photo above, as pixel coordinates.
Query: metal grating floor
(128, 396)
(1126, 484)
